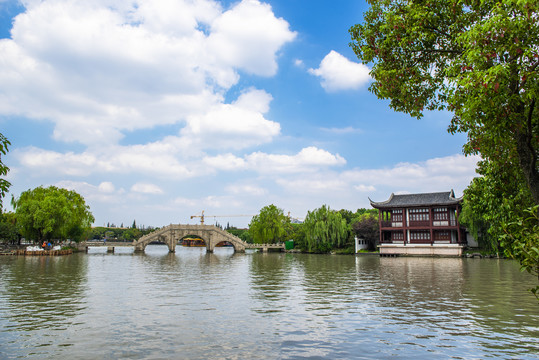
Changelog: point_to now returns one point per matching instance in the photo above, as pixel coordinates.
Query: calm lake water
(193, 305)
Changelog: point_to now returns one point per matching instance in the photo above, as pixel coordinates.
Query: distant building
(421, 224)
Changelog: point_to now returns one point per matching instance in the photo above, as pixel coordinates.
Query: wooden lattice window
(440, 214)
(419, 214)
(396, 215)
(442, 235)
(420, 235)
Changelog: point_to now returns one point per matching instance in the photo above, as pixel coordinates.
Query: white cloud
(246, 190)
(339, 73)
(233, 126)
(364, 188)
(105, 192)
(167, 159)
(106, 187)
(225, 162)
(438, 174)
(98, 69)
(145, 188)
(254, 100)
(314, 184)
(248, 37)
(342, 131)
(308, 159)
(139, 159)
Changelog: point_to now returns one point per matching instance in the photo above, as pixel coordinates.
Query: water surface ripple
(194, 305)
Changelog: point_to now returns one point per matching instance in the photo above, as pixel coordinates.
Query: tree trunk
(527, 160)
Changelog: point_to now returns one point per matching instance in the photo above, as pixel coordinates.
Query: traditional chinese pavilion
(421, 224)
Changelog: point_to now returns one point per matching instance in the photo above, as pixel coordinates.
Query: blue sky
(157, 110)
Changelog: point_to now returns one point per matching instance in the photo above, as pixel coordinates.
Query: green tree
(243, 234)
(52, 213)
(493, 200)
(8, 228)
(297, 234)
(325, 229)
(4, 184)
(477, 59)
(480, 61)
(366, 226)
(496, 211)
(269, 226)
(131, 234)
(521, 241)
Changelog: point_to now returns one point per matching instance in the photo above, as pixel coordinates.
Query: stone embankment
(43, 252)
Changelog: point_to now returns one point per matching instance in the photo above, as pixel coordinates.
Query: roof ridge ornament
(382, 202)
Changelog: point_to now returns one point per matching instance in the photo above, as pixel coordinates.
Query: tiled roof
(410, 200)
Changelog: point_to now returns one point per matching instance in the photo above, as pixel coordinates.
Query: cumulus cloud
(246, 189)
(233, 126)
(225, 162)
(145, 188)
(152, 158)
(314, 185)
(106, 187)
(105, 192)
(364, 188)
(97, 69)
(438, 174)
(306, 160)
(350, 189)
(338, 73)
(248, 37)
(342, 131)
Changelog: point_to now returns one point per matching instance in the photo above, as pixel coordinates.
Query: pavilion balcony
(420, 241)
(420, 223)
(387, 224)
(444, 223)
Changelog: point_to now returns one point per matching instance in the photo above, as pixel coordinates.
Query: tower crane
(202, 216)
(295, 219)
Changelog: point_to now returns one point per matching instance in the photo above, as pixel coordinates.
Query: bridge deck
(126, 244)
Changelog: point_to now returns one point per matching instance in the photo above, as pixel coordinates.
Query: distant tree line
(110, 233)
(324, 230)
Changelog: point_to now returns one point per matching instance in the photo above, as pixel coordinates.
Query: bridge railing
(270, 245)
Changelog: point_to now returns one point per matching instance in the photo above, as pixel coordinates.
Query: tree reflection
(272, 276)
(44, 292)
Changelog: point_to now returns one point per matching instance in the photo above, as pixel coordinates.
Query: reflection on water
(225, 305)
(43, 293)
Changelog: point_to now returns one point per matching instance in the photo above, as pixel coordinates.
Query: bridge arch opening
(192, 241)
(225, 244)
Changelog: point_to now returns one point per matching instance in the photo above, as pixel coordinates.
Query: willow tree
(52, 213)
(325, 229)
(269, 226)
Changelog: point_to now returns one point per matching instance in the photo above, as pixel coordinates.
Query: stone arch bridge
(212, 235)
